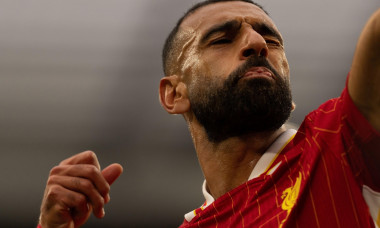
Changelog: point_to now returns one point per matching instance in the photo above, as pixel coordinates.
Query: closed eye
(221, 41)
(273, 42)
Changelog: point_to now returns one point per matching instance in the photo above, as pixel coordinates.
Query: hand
(75, 188)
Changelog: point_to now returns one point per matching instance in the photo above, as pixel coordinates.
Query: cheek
(285, 64)
(189, 62)
(200, 68)
(190, 66)
(219, 64)
(281, 64)
(285, 67)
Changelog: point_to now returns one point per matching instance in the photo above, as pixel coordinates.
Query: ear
(173, 95)
(293, 106)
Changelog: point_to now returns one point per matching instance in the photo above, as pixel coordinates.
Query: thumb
(112, 172)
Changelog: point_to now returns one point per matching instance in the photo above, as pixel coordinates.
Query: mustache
(253, 61)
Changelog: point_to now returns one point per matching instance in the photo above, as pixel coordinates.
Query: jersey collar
(262, 166)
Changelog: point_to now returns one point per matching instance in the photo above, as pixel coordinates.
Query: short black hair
(168, 51)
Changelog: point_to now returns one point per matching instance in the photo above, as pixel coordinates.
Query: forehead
(219, 12)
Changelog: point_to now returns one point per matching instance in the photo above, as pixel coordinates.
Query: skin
(229, 163)
(78, 187)
(364, 81)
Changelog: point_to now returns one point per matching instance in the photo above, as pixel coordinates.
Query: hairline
(172, 38)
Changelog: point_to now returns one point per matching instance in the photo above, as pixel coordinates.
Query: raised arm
(364, 80)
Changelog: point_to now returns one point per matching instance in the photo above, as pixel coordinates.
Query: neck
(229, 163)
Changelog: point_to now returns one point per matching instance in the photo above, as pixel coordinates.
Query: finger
(79, 207)
(86, 157)
(112, 172)
(79, 220)
(84, 187)
(89, 172)
(62, 206)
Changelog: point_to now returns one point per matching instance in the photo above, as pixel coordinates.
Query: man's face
(234, 64)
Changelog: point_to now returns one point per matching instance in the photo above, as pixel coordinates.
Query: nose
(253, 44)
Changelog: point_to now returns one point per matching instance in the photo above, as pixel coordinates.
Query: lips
(258, 72)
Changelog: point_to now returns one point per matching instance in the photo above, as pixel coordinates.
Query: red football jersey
(327, 174)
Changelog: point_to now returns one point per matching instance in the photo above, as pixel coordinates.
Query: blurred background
(83, 75)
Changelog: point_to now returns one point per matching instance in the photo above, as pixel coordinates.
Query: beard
(238, 108)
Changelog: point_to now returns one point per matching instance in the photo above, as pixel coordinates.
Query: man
(228, 75)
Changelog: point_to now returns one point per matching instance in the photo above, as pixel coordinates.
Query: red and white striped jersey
(326, 174)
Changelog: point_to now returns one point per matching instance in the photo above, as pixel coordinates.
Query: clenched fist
(75, 188)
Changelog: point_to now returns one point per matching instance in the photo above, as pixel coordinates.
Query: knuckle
(100, 201)
(97, 199)
(80, 200)
(53, 192)
(55, 170)
(53, 179)
(86, 184)
(93, 171)
(90, 155)
(107, 188)
(83, 185)
(104, 191)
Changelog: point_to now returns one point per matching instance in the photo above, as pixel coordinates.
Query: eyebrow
(261, 28)
(224, 27)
